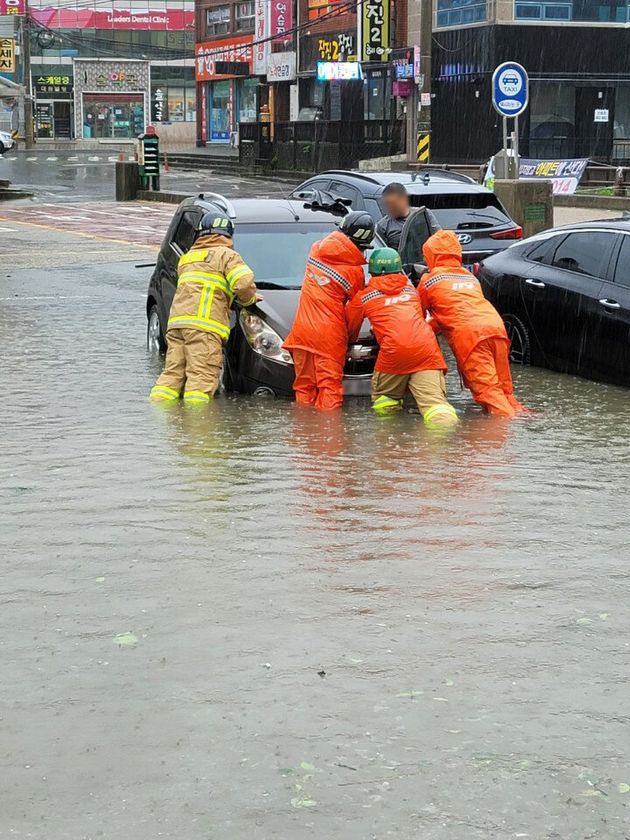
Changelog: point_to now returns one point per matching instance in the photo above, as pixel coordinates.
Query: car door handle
(538, 284)
(610, 304)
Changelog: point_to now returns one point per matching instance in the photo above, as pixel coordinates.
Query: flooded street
(252, 621)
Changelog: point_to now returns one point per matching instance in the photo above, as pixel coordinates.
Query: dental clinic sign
(510, 89)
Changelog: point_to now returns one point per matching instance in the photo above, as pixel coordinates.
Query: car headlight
(262, 338)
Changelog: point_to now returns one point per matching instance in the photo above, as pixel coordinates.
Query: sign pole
(515, 149)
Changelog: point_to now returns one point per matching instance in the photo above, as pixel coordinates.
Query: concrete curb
(592, 202)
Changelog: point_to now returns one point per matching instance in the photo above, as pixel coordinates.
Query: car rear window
(277, 253)
(463, 211)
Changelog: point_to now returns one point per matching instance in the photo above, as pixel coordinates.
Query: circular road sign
(510, 89)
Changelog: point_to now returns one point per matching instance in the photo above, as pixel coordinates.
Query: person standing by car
(318, 340)
(211, 275)
(390, 227)
(472, 326)
(409, 357)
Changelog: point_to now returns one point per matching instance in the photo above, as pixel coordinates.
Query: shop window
(613, 11)
(377, 97)
(112, 115)
(247, 93)
(218, 20)
(461, 12)
(621, 124)
(245, 16)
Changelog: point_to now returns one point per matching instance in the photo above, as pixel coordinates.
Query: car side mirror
(420, 269)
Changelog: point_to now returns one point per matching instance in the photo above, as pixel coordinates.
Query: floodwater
(250, 622)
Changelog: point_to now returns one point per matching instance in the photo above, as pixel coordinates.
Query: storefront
(225, 100)
(53, 106)
(111, 98)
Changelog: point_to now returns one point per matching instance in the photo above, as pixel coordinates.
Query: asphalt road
(250, 622)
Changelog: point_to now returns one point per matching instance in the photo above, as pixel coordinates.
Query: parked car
(565, 298)
(6, 142)
(274, 237)
(477, 216)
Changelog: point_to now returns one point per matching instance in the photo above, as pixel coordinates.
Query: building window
(461, 12)
(218, 20)
(611, 11)
(552, 120)
(245, 16)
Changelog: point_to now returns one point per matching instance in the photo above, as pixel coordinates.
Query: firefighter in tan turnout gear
(211, 275)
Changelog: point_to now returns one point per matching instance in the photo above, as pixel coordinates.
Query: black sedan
(565, 298)
(274, 237)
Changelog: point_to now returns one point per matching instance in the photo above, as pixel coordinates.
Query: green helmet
(385, 261)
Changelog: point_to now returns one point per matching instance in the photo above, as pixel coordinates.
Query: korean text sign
(373, 24)
(12, 7)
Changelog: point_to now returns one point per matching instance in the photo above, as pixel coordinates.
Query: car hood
(279, 306)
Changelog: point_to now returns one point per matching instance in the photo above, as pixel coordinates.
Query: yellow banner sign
(7, 55)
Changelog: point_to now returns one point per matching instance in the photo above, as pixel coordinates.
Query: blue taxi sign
(510, 89)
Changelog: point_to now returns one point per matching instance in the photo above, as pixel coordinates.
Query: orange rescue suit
(407, 343)
(471, 325)
(318, 340)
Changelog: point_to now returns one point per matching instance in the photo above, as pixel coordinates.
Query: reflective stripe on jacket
(211, 275)
(407, 343)
(334, 274)
(454, 297)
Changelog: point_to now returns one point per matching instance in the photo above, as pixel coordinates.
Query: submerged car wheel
(155, 334)
(519, 340)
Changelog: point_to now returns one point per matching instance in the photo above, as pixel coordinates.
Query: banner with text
(59, 18)
(227, 49)
(262, 47)
(281, 18)
(12, 7)
(373, 30)
(565, 175)
(282, 67)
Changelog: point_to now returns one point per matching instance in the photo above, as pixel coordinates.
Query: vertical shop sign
(281, 18)
(261, 33)
(7, 55)
(12, 7)
(203, 96)
(373, 30)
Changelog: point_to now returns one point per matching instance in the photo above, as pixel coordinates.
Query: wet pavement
(251, 621)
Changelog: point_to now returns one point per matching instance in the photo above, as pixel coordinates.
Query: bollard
(619, 187)
(127, 180)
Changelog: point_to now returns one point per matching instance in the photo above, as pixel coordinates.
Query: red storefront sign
(281, 17)
(61, 18)
(225, 49)
(12, 7)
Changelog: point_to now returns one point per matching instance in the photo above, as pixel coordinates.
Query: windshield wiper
(267, 284)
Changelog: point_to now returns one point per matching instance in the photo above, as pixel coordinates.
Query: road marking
(18, 298)
(12, 158)
(73, 157)
(70, 232)
(31, 158)
(94, 157)
(52, 158)
(6, 230)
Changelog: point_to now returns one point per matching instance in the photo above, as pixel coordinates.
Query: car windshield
(277, 253)
(462, 211)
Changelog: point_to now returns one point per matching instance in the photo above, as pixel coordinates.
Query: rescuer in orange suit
(318, 340)
(409, 357)
(471, 325)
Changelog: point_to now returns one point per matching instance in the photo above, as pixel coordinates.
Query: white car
(6, 142)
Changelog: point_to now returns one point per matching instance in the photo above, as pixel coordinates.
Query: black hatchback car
(480, 221)
(565, 298)
(273, 236)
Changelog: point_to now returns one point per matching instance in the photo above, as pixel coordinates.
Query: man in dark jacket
(396, 201)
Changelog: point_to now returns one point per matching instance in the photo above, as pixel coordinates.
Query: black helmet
(216, 223)
(359, 227)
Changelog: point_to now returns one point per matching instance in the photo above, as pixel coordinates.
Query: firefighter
(211, 276)
(318, 340)
(409, 357)
(471, 325)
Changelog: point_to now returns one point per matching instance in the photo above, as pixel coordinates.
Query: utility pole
(420, 33)
(27, 82)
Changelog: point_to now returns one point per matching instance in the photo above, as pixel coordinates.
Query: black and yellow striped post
(423, 148)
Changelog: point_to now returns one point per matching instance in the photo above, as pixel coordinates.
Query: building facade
(286, 62)
(576, 53)
(102, 43)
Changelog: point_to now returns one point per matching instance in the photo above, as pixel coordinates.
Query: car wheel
(156, 342)
(520, 348)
